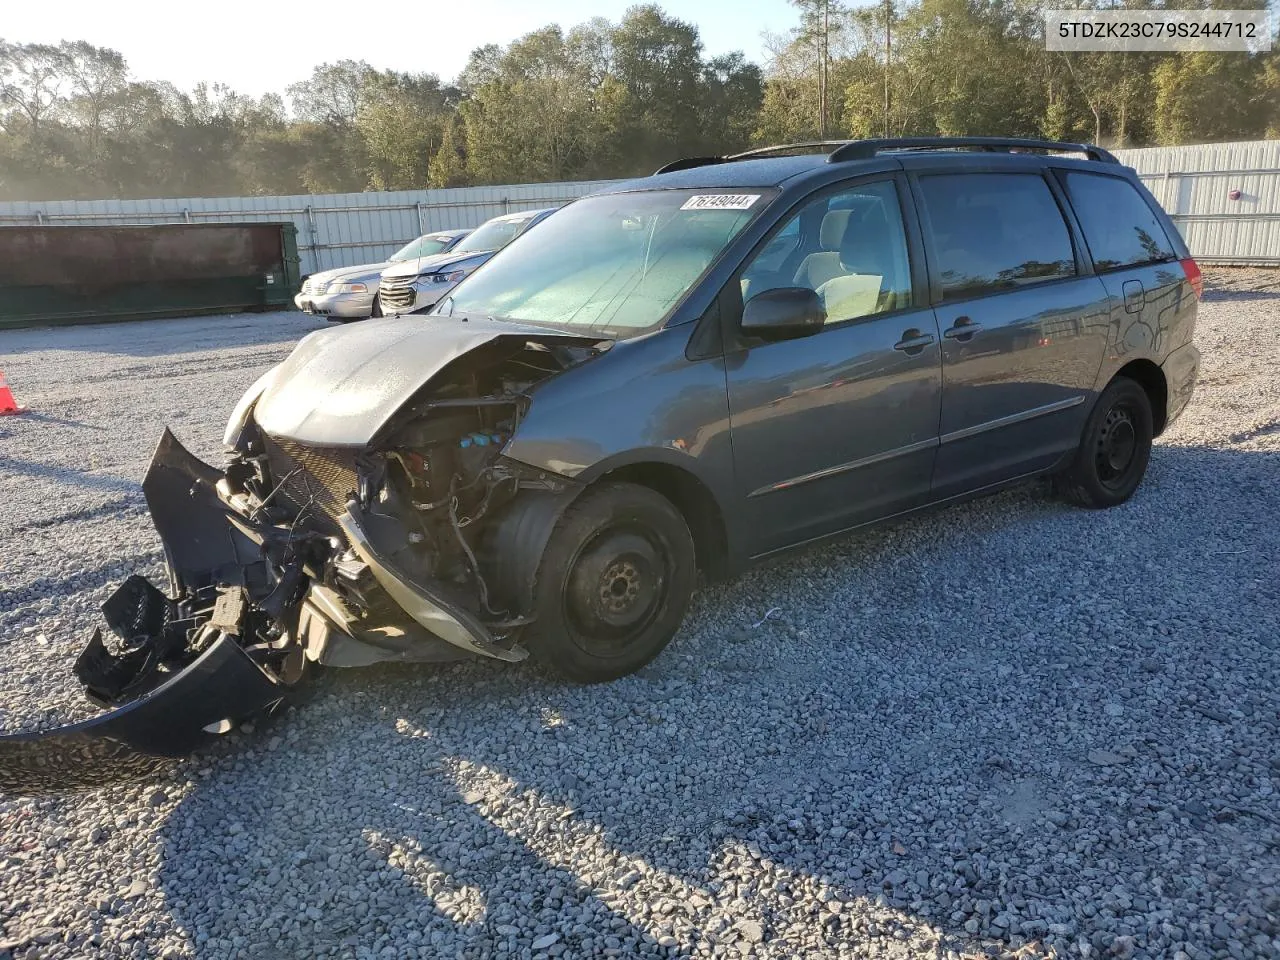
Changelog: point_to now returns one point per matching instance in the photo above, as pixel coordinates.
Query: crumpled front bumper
(182, 676)
(188, 711)
(160, 708)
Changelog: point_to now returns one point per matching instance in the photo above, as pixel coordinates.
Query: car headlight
(429, 279)
(348, 288)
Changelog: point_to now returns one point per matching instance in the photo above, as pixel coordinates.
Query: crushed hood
(341, 385)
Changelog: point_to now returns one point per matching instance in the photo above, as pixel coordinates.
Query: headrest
(865, 245)
(834, 225)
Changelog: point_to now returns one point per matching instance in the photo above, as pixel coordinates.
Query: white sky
(257, 46)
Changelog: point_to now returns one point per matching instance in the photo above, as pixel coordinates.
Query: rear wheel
(1115, 449)
(613, 584)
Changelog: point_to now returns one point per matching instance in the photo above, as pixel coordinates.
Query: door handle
(913, 342)
(963, 329)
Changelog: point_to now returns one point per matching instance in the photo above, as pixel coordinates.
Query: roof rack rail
(688, 163)
(810, 145)
(866, 149)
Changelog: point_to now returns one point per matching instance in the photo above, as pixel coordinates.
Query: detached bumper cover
(142, 736)
(242, 616)
(178, 677)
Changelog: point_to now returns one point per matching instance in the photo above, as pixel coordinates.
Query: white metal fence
(334, 230)
(1224, 197)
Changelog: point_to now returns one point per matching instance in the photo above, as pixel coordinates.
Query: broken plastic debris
(772, 614)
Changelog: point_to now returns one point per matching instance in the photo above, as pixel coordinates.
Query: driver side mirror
(783, 314)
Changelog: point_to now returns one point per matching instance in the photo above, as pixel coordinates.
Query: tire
(377, 306)
(613, 584)
(1114, 450)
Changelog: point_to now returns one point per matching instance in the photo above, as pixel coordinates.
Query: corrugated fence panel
(1195, 184)
(334, 230)
(1224, 197)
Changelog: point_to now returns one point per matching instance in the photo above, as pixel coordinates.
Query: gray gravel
(1010, 728)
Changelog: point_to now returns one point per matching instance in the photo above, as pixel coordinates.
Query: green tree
(448, 169)
(1210, 96)
(402, 119)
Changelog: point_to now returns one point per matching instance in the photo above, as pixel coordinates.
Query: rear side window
(1119, 225)
(995, 231)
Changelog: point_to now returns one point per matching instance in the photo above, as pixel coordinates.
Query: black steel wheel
(613, 584)
(1115, 449)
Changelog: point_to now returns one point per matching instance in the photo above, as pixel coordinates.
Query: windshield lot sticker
(721, 201)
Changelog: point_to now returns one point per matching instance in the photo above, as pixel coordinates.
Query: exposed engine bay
(419, 545)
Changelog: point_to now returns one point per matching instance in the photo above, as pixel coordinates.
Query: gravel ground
(1012, 728)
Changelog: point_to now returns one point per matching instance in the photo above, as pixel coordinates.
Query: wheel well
(1151, 378)
(696, 504)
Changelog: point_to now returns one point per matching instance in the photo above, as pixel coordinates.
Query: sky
(256, 47)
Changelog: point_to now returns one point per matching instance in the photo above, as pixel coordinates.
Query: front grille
(312, 286)
(316, 480)
(396, 294)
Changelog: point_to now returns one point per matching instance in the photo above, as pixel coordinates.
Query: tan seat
(817, 268)
(868, 280)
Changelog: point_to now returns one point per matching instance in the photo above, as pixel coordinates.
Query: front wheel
(1114, 451)
(377, 305)
(613, 584)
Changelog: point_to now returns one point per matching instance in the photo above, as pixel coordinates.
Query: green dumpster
(87, 274)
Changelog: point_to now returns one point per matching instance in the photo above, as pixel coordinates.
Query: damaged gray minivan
(682, 373)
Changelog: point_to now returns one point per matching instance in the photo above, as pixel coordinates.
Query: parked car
(686, 372)
(416, 286)
(351, 293)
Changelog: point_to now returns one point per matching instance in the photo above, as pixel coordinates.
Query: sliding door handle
(913, 342)
(962, 329)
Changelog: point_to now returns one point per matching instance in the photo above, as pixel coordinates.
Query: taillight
(1192, 270)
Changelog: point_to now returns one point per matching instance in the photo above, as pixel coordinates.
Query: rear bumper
(1181, 370)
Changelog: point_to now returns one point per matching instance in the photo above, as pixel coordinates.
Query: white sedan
(351, 293)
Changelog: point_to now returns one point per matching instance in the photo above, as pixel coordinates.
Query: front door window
(850, 249)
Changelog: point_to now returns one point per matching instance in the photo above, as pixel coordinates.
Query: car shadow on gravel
(1009, 727)
(1241, 295)
(66, 475)
(162, 337)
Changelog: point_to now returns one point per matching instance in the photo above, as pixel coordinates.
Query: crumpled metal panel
(340, 385)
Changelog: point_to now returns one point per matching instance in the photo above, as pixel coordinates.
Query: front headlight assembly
(427, 279)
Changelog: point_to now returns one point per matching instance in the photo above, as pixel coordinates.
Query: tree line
(607, 99)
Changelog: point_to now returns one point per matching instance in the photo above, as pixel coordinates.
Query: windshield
(493, 235)
(422, 247)
(616, 263)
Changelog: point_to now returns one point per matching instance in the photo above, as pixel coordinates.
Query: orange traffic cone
(8, 405)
